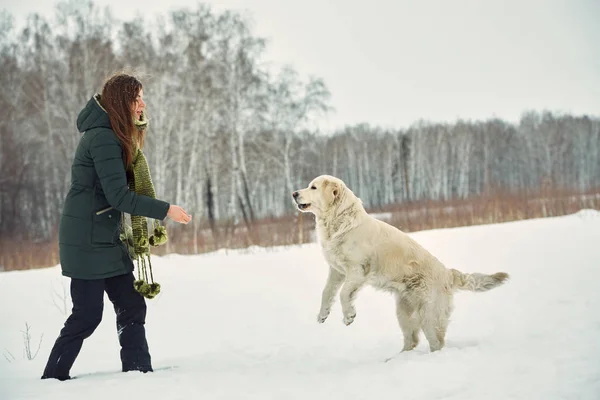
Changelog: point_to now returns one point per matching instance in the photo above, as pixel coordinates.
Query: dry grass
(298, 228)
(489, 209)
(23, 254)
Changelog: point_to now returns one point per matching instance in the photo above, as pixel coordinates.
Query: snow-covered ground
(242, 325)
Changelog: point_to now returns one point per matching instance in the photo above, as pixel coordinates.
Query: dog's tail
(477, 282)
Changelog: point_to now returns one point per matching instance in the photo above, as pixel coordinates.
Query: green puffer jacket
(90, 222)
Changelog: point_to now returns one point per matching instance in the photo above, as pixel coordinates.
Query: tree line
(231, 138)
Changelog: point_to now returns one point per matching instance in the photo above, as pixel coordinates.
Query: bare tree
(230, 139)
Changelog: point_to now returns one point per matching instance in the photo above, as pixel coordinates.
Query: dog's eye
(313, 187)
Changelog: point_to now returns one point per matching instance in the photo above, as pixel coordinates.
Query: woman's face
(139, 105)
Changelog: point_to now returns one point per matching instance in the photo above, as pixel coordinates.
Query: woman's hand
(178, 214)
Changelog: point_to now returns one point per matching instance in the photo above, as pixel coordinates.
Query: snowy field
(242, 325)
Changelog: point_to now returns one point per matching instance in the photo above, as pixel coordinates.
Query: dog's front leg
(348, 294)
(334, 281)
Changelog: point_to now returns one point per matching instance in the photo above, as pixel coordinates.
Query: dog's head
(324, 193)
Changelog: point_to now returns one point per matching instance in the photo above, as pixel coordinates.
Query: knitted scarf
(136, 236)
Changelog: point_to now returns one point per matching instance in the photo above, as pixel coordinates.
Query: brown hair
(119, 93)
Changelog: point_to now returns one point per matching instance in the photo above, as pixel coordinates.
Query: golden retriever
(361, 249)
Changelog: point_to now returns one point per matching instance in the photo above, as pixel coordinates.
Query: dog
(361, 249)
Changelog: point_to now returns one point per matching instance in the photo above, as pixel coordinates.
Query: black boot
(60, 378)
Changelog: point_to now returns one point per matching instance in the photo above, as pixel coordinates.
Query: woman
(91, 251)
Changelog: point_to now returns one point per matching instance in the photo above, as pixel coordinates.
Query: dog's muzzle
(301, 206)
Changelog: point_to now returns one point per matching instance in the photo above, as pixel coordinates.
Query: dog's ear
(336, 191)
(331, 190)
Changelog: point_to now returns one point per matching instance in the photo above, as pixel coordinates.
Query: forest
(230, 138)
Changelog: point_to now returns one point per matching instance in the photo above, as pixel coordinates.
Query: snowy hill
(242, 325)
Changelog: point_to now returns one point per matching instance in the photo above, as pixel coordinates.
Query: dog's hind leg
(334, 281)
(410, 322)
(435, 322)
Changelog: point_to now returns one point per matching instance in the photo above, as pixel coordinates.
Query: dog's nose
(295, 194)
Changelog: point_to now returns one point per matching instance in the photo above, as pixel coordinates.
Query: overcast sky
(392, 62)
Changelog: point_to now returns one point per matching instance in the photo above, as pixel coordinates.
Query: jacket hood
(93, 115)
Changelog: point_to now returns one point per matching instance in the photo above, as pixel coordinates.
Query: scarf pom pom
(126, 237)
(138, 284)
(143, 288)
(148, 290)
(154, 290)
(159, 237)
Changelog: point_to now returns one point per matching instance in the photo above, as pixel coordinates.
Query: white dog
(363, 250)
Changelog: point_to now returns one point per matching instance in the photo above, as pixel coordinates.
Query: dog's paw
(322, 317)
(349, 318)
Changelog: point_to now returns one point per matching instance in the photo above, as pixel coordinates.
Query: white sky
(392, 62)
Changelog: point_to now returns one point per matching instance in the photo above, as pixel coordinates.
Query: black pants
(88, 304)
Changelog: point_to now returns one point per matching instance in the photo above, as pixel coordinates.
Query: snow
(242, 325)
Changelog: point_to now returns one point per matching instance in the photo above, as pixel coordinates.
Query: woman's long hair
(119, 94)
